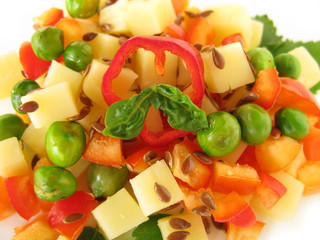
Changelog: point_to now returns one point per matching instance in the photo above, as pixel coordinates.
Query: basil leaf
(182, 113)
(124, 119)
(90, 233)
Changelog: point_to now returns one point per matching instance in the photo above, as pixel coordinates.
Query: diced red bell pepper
(199, 175)
(33, 66)
(201, 32)
(233, 208)
(249, 157)
(253, 232)
(158, 45)
(267, 86)
(104, 150)
(6, 209)
(49, 17)
(22, 195)
(69, 216)
(270, 191)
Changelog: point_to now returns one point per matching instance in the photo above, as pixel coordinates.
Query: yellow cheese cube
(235, 73)
(228, 19)
(12, 160)
(10, 73)
(144, 188)
(145, 69)
(196, 230)
(257, 32)
(35, 138)
(310, 71)
(118, 214)
(148, 17)
(104, 46)
(56, 103)
(60, 73)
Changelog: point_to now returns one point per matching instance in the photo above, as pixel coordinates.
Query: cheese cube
(118, 214)
(12, 160)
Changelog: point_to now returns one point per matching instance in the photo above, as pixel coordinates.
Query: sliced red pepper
(236, 37)
(158, 45)
(267, 86)
(22, 195)
(33, 66)
(69, 216)
(294, 94)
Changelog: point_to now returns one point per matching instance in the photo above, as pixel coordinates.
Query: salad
(229, 142)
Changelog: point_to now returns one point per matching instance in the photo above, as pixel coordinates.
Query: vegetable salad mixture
(157, 120)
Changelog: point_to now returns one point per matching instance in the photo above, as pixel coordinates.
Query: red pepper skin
(33, 66)
(158, 45)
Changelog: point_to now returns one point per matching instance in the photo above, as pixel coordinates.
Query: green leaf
(149, 229)
(269, 36)
(182, 113)
(90, 233)
(124, 119)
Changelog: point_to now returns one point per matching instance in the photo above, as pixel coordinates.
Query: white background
(297, 20)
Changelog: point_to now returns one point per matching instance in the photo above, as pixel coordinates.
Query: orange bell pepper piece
(201, 32)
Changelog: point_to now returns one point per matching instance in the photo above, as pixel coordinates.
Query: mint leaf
(90, 233)
(269, 36)
(149, 229)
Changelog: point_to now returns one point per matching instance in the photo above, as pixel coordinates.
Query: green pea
(21, 89)
(82, 8)
(222, 136)
(288, 65)
(11, 126)
(255, 122)
(261, 58)
(78, 55)
(65, 142)
(106, 180)
(47, 43)
(53, 183)
(292, 122)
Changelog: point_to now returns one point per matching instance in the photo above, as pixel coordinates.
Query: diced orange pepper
(179, 5)
(236, 37)
(200, 174)
(49, 17)
(201, 32)
(176, 31)
(309, 175)
(71, 29)
(267, 86)
(104, 150)
(227, 178)
(6, 209)
(233, 208)
(311, 144)
(189, 17)
(249, 157)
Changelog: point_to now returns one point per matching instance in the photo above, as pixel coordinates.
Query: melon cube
(10, 73)
(310, 71)
(93, 80)
(148, 17)
(236, 72)
(104, 46)
(146, 71)
(118, 214)
(228, 19)
(285, 209)
(60, 73)
(56, 103)
(114, 15)
(12, 160)
(196, 230)
(35, 138)
(144, 188)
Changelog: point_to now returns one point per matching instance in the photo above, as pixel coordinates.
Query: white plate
(297, 20)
